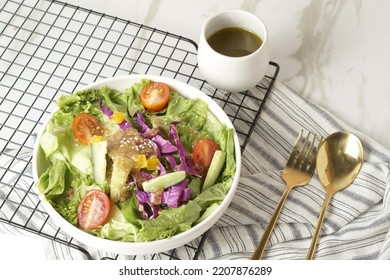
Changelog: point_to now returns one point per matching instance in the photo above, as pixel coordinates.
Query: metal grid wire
(50, 48)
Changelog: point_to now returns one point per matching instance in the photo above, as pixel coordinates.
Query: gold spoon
(339, 160)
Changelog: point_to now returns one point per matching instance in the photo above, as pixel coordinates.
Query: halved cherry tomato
(202, 155)
(85, 126)
(155, 96)
(93, 209)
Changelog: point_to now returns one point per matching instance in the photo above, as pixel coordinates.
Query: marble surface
(333, 52)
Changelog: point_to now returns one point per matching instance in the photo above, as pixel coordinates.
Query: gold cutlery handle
(313, 245)
(258, 253)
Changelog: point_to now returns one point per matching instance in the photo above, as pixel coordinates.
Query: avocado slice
(99, 163)
(215, 168)
(163, 181)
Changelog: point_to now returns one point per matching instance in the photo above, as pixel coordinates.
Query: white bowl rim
(157, 246)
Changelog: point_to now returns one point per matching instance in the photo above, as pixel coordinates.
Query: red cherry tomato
(155, 96)
(202, 155)
(85, 126)
(93, 209)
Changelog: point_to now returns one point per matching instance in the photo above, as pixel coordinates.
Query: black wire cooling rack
(50, 48)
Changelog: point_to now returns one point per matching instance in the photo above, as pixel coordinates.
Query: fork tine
(303, 154)
(308, 158)
(295, 149)
(313, 160)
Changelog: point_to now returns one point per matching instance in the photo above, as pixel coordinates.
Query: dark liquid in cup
(234, 41)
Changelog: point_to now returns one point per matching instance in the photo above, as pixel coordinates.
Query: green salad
(137, 166)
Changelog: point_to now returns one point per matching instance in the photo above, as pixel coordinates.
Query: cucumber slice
(99, 163)
(215, 168)
(163, 181)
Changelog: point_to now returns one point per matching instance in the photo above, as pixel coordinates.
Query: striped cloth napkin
(357, 222)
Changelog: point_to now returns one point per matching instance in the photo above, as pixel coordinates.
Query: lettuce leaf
(113, 99)
(117, 227)
(133, 93)
(169, 222)
(80, 101)
(52, 181)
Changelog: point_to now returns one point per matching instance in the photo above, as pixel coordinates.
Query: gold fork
(298, 172)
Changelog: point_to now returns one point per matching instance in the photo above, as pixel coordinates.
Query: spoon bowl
(339, 160)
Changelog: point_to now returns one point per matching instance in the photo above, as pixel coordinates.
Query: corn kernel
(140, 161)
(118, 117)
(96, 138)
(152, 163)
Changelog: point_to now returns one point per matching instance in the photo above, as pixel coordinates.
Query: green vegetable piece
(208, 211)
(195, 185)
(215, 168)
(163, 181)
(99, 163)
(49, 143)
(117, 227)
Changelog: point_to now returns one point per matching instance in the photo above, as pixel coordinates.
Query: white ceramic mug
(233, 74)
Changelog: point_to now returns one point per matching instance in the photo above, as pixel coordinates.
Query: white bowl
(141, 248)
